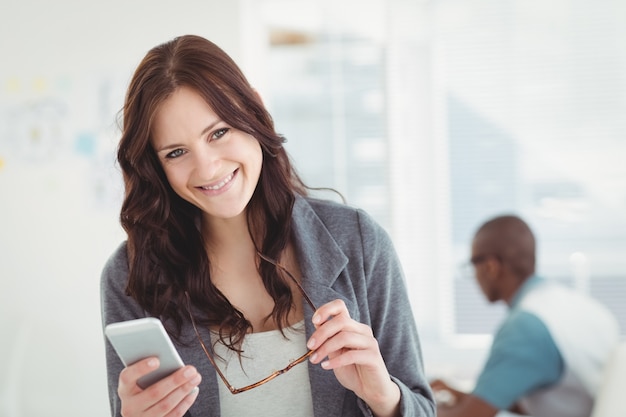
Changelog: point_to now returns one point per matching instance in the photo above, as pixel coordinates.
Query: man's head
(503, 256)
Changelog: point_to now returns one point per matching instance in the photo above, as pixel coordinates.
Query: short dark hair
(510, 237)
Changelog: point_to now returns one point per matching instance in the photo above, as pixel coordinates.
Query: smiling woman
(225, 245)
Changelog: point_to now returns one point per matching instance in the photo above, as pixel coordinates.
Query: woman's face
(208, 163)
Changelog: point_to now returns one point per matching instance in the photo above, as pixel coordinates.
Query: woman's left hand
(351, 351)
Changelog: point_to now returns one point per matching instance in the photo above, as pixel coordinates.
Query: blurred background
(431, 115)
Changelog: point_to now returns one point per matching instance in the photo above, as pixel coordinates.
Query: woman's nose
(206, 164)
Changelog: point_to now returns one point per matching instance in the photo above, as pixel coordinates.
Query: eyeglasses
(273, 375)
(478, 259)
(468, 269)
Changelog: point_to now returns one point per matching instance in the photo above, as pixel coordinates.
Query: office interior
(432, 115)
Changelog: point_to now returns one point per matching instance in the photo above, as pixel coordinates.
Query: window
(434, 116)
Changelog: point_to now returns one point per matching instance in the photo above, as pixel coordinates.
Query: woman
(227, 249)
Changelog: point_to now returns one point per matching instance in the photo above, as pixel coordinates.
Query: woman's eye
(175, 154)
(219, 133)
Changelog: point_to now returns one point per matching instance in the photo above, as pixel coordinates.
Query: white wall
(64, 67)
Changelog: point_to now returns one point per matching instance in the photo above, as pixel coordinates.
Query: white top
(586, 334)
(288, 394)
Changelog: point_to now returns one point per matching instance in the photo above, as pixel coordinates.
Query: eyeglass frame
(477, 259)
(274, 374)
(468, 268)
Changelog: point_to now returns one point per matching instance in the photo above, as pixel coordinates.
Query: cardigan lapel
(321, 261)
(320, 257)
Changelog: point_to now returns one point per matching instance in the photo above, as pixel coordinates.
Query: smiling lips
(222, 183)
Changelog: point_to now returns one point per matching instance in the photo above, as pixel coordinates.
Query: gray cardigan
(343, 253)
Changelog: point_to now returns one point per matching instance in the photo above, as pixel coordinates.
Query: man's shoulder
(521, 325)
(560, 304)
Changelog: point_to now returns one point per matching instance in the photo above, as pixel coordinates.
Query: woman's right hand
(170, 397)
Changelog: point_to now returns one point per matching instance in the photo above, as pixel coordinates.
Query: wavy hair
(166, 249)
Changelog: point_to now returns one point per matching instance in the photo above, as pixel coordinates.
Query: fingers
(345, 348)
(349, 348)
(340, 338)
(445, 395)
(438, 384)
(172, 396)
(445, 398)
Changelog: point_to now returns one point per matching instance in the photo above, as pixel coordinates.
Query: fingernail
(153, 363)
(194, 391)
(325, 364)
(313, 357)
(189, 372)
(316, 319)
(311, 344)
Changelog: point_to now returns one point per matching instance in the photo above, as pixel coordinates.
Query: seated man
(548, 355)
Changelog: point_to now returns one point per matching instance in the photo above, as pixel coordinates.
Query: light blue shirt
(523, 358)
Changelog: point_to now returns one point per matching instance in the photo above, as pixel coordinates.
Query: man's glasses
(468, 269)
(273, 375)
(478, 259)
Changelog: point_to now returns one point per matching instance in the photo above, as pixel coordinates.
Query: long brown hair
(166, 249)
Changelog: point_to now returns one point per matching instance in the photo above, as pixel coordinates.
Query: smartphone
(138, 339)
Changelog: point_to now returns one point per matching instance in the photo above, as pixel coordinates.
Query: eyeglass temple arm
(275, 263)
(206, 350)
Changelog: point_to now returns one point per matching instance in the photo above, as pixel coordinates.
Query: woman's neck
(230, 233)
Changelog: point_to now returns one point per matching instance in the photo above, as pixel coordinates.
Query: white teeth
(220, 185)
